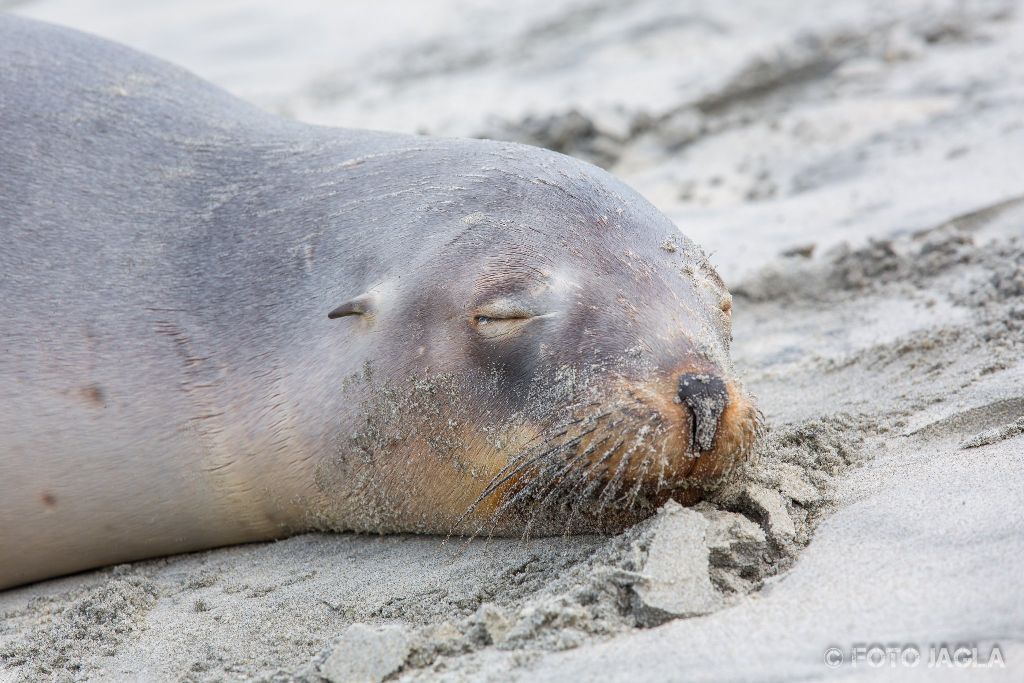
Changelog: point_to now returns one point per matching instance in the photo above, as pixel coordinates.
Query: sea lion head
(555, 358)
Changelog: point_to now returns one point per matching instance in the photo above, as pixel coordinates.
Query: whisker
(525, 459)
(554, 486)
(537, 481)
(585, 476)
(499, 480)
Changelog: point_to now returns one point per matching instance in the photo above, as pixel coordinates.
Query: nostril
(706, 397)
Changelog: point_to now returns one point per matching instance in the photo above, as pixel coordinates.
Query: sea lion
(221, 326)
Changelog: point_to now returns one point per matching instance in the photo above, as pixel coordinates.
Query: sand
(856, 172)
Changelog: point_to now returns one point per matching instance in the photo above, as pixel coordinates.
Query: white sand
(881, 143)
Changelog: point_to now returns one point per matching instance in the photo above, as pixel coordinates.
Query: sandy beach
(856, 171)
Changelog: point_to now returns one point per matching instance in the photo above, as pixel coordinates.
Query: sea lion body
(171, 380)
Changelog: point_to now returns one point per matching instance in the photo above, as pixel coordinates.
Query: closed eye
(501, 318)
(487, 319)
(483, 318)
(503, 309)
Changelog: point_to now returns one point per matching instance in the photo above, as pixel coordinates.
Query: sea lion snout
(706, 396)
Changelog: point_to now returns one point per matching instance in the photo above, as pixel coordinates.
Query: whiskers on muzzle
(606, 466)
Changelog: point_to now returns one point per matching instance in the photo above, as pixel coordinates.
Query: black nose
(706, 397)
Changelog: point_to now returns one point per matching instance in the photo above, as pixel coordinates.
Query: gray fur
(168, 373)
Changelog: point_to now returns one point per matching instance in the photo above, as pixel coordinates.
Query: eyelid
(504, 309)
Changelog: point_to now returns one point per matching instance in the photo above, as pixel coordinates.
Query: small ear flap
(357, 306)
